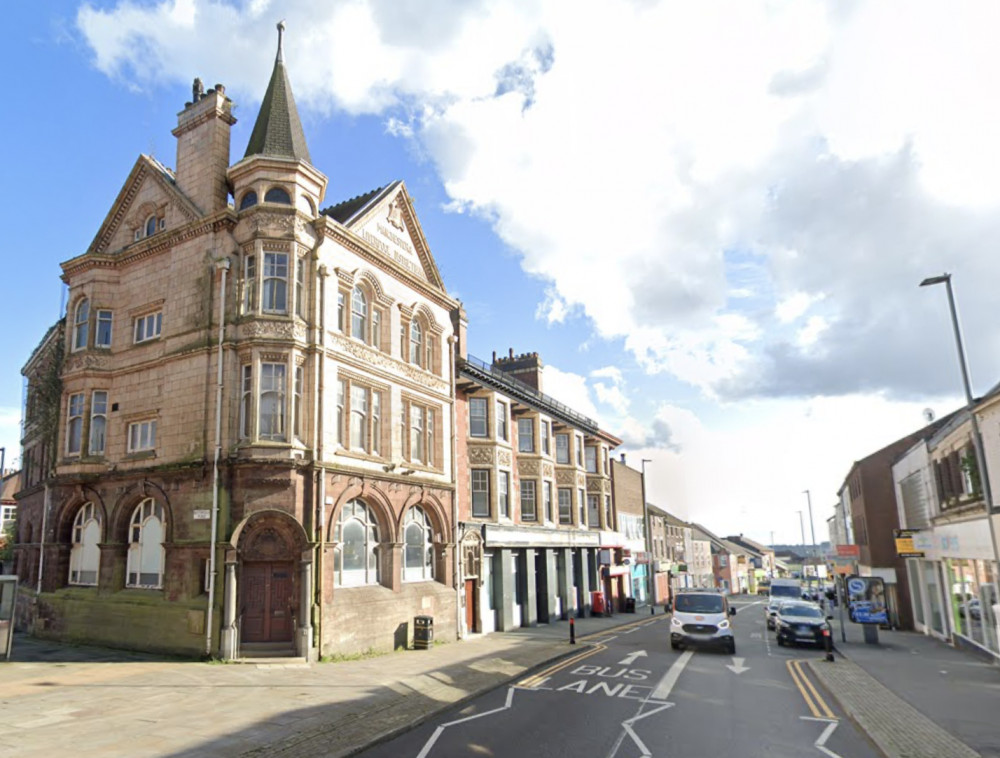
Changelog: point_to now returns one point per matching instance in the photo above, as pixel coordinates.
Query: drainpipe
(318, 370)
(457, 557)
(41, 543)
(223, 267)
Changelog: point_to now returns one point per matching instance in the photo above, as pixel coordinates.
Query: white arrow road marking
(437, 732)
(821, 742)
(630, 658)
(737, 667)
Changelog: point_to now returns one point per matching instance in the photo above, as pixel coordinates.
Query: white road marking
(437, 732)
(630, 658)
(627, 726)
(755, 635)
(663, 689)
(820, 743)
(738, 667)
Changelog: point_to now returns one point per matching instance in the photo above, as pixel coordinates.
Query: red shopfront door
(268, 602)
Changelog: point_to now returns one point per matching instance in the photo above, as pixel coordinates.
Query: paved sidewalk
(915, 696)
(90, 702)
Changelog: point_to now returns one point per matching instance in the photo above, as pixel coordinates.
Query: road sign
(904, 543)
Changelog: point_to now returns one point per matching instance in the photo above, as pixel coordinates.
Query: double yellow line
(816, 703)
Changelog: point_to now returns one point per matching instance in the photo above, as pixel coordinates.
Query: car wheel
(781, 641)
(731, 648)
(675, 645)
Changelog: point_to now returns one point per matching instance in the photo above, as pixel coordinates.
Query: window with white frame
(145, 549)
(526, 435)
(300, 287)
(593, 511)
(581, 501)
(250, 283)
(416, 343)
(418, 561)
(246, 401)
(359, 314)
(274, 281)
(271, 405)
(591, 459)
(547, 500)
(74, 424)
(81, 325)
(480, 493)
(501, 420)
(529, 500)
(503, 494)
(579, 450)
(361, 407)
(341, 409)
(545, 437)
(562, 448)
(376, 340)
(609, 522)
(355, 552)
(98, 422)
(359, 418)
(103, 336)
(478, 419)
(565, 505)
(142, 436)
(297, 401)
(85, 556)
(148, 327)
(341, 307)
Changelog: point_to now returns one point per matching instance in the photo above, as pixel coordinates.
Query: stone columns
(303, 633)
(565, 580)
(529, 614)
(583, 581)
(548, 585)
(230, 641)
(503, 588)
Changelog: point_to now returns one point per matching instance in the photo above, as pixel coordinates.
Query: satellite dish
(928, 415)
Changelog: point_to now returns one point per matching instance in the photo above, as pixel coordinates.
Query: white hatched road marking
(820, 742)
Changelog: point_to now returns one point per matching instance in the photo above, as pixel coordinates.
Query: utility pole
(812, 529)
(802, 527)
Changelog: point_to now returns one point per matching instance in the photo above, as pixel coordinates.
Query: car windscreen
(802, 611)
(698, 604)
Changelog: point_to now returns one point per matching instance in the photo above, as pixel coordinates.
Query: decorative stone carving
(527, 467)
(548, 470)
(503, 457)
(472, 555)
(595, 483)
(565, 477)
(84, 361)
(266, 545)
(377, 358)
(272, 223)
(481, 454)
(270, 329)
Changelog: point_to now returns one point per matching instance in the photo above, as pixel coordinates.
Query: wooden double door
(269, 601)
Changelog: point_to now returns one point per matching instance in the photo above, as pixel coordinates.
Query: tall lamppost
(977, 438)
(649, 553)
(802, 527)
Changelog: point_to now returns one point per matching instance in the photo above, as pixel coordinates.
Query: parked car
(975, 611)
(702, 618)
(801, 623)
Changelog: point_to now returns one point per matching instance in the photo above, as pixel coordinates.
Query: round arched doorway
(269, 550)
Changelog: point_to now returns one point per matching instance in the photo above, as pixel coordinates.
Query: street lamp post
(649, 553)
(977, 438)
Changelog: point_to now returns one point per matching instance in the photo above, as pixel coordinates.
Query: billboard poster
(866, 600)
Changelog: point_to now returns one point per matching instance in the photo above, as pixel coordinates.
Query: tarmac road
(627, 694)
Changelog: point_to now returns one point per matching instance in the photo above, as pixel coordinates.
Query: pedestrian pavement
(915, 696)
(89, 702)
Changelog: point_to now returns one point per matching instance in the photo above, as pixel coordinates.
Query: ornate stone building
(252, 444)
(535, 507)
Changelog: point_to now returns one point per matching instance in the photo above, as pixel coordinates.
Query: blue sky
(709, 219)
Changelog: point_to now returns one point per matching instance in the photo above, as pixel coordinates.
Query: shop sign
(866, 600)
(905, 547)
(848, 551)
(641, 557)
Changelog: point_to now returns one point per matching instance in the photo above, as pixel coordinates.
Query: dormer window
(277, 195)
(249, 200)
(151, 226)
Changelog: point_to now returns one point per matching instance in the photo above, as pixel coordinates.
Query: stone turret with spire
(276, 169)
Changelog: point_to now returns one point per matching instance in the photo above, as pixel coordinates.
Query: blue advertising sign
(866, 600)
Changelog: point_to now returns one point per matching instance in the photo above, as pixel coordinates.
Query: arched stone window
(249, 200)
(81, 324)
(277, 195)
(416, 343)
(84, 556)
(145, 546)
(359, 314)
(418, 562)
(355, 557)
(151, 226)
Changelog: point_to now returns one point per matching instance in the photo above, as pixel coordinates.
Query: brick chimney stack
(202, 133)
(526, 367)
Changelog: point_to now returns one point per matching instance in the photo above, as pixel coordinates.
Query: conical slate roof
(278, 130)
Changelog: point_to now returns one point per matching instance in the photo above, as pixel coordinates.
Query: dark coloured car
(801, 623)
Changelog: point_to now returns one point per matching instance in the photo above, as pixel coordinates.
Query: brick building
(249, 443)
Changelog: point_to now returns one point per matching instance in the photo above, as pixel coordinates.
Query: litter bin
(597, 603)
(423, 632)
(630, 605)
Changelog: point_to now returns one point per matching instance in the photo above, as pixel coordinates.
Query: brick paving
(897, 728)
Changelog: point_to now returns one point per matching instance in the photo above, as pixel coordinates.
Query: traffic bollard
(828, 644)
(652, 610)
(572, 631)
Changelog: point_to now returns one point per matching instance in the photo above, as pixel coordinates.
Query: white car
(771, 610)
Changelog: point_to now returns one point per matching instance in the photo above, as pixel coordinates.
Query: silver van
(702, 618)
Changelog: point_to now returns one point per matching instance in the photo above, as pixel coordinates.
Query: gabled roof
(278, 131)
(749, 544)
(668, 516)
(145, 168)
(345, 211)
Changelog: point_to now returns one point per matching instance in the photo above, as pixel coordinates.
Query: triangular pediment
(150, 190)
(387, 221)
